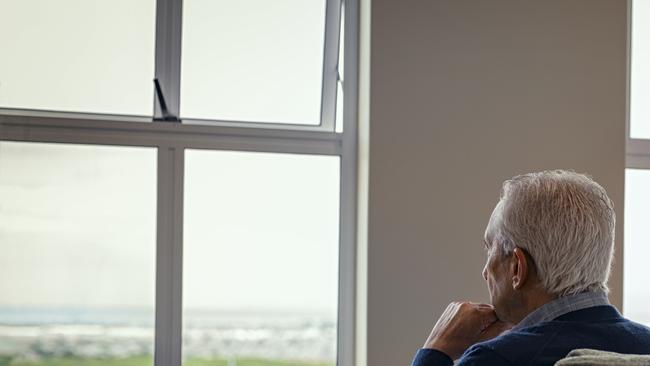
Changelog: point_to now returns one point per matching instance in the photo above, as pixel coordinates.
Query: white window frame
(171, 140)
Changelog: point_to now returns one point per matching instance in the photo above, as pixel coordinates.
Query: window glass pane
(640, 71)
(253, 60)
(260, 258)
(637, 245)
(78, 55)
(77, 237)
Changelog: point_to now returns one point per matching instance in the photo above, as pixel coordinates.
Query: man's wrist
(429, 357)
(439, 346)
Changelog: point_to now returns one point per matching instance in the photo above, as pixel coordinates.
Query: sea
(36, 333)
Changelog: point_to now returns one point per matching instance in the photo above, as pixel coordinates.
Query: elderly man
(549, 246)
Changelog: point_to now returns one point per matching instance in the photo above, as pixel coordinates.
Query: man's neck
(530, 302)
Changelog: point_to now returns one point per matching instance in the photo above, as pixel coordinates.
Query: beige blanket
(590, 357)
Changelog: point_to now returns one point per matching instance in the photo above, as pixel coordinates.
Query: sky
(78, 228)
(78, 55)
(261, 228)
(262, 60)
(250, 60)
(637, 245)
(77, 225)
(639, 70)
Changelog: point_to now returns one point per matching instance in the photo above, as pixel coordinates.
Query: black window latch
(166, 116)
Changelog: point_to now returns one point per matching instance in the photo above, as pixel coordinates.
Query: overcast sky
(251, 60)
(77, 223)
(77, 227)
(640, 72)
(637, 245)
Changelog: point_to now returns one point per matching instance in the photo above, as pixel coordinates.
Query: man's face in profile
(496, 271)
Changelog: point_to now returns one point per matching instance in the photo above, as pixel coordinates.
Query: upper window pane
(253, 60)
(78, 244)
(88, 56)
(637, 245)
(640, 71)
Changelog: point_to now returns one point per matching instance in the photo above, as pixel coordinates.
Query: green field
(146, 361)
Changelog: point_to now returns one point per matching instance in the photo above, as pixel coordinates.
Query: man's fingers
(483, 315)
(481, 304)
(488, 318)
(486, 315)
(487, 312)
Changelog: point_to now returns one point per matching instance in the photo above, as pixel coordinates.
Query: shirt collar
(563, 305)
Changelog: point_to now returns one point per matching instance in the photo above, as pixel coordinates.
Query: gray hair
(565, 222)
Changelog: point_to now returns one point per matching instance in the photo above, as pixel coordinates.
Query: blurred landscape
(125, 337)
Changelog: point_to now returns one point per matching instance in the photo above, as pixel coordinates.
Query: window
(78, 56)
(78, 240)
(265, 245)
(216, 228)
(637, 176)
(637, 240)
(639, 71)
(262, 63)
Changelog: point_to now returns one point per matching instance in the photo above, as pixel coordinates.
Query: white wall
(465, 94)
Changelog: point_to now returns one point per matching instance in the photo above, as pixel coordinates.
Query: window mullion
(169, 18)
(169, 257)
(330, 64)
(347, 315)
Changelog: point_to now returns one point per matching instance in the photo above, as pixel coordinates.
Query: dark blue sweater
(599, 327)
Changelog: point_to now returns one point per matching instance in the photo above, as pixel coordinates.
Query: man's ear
(519, 263)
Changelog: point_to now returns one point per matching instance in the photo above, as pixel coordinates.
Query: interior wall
(463, 95)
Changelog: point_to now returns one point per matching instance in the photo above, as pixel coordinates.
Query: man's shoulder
(482, 355)
(637, 327)
(508, 349)
(553, 340)
(517, 345)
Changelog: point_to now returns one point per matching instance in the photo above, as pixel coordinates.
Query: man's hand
(463, 324)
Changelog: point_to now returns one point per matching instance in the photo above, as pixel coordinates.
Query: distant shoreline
(119, 333)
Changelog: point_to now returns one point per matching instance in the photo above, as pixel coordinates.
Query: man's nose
(485, 271)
